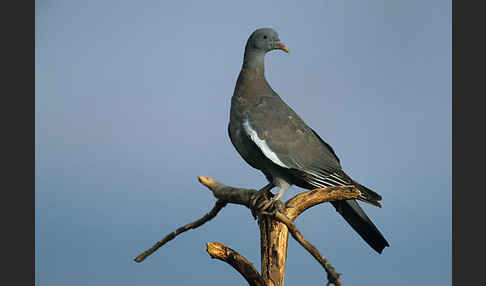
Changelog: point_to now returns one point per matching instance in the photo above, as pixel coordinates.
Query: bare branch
(228, 194)
(225, 194)
(274, 234)
(237, 261)
(332, 275)
(207, 217)
(301, 202)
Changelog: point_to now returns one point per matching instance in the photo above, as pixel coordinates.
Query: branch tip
(207, 181)
(216, 250)
(237, 261)
(207, 217)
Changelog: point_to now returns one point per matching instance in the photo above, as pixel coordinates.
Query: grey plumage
(271, 137)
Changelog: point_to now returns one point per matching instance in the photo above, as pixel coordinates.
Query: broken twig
(207, 217)
(237, 261)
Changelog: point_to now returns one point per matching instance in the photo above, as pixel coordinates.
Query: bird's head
(265, 40)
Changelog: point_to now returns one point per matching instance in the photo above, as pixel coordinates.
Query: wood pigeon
(272, 138)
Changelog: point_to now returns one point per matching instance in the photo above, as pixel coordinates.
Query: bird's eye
(265, 37)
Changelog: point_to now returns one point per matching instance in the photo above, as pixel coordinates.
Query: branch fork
(274, 229)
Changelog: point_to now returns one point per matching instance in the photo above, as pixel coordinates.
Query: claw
(279, 206)
(266, 205)
(261, 200)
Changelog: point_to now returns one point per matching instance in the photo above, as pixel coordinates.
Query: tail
(359, 221)
(367, 195)
(349, 209)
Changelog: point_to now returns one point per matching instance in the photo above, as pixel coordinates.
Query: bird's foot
(268, 205)
(276, 207)
(260, 201)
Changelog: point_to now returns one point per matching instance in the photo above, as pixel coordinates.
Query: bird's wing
(327, 145)
(308, 161)
(281, 135)
(284, 138)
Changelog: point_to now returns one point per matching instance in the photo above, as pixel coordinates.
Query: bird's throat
(254, 60)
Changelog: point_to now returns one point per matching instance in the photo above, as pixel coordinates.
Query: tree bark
(274, 231)
(274, 237)
(237, 261)
(274, 234)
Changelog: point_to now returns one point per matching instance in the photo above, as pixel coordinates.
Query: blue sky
(132, 104)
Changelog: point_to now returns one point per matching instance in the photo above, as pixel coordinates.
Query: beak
(281, 46)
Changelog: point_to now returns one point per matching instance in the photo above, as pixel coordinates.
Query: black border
(468, 129)
(18, 146)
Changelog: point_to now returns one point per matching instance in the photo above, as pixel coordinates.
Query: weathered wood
(274, 237)
(237, 261)
(302, 201)
(207, 217)
(274, 233)
(239, 196)
(332, 275)
(274, 230)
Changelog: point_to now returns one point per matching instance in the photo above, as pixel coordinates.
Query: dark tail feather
(368, 196)
(360, 222)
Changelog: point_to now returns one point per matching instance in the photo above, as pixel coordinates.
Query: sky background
(132, 104)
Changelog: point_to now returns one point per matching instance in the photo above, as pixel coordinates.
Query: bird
(272, 138)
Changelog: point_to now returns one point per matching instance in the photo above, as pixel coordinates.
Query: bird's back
(282, 130)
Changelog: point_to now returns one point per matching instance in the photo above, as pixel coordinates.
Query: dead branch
(228, 194)
(332, 275)
(237, 261)
(207, 217)
(274, 230)
(301, 202)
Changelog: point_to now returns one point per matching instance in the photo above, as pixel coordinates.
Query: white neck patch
(262, 144)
